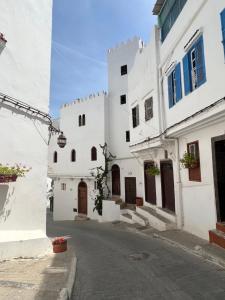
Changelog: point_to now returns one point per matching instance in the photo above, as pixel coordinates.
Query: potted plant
(10, 173)
(189, 161)
(59, 244)
(139, 201)
(153, 170)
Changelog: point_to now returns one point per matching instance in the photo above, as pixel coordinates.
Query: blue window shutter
(222, 16)
(187, 78)
(170, 90)
(200, 62)
(178, 82)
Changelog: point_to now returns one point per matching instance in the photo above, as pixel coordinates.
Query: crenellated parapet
(85, 99)
(131, 43)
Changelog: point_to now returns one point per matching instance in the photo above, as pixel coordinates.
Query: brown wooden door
(82, 198)
(150, 191)
(218, 151)
(115, 180)
(130, 190)
(167, 183)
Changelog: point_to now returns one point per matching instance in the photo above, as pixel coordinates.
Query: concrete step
(155, 220)
(220, 226)
(141, 220)
(217, 237)
(126, 217)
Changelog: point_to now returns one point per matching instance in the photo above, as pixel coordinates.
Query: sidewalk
(47, 278)
(191, 244)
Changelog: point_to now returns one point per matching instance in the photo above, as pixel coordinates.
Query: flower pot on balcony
(139, 201)
(7, 178)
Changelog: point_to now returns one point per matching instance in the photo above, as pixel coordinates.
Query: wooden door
(82, 198)
(130, 190)
(167, 183)
(218, 152)
(115, 180)
(150, 190)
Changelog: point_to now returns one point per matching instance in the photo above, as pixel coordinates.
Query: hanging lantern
(61, 141)
(3, 41)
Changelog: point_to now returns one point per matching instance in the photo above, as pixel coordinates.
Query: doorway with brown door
(218, 153)
(115, 180)
(167, 184)
(130, 190)
(150, 190)
(82, 198)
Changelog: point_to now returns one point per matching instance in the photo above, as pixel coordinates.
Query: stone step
(126, 217)
(220, 226)
(141, 220)
(217, 237)
(155, 220)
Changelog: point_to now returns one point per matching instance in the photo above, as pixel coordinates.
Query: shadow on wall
(5, 196)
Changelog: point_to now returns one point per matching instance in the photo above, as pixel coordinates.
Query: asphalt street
(115, 262)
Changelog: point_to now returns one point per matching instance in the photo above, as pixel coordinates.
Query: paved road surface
(115, 263)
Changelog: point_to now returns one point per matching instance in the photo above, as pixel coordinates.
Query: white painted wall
(25, 75)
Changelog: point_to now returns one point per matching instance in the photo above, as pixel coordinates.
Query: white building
(24, 75)
(171, 98)
(191, 115)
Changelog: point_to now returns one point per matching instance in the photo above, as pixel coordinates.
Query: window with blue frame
(194, 67)
(174, 86)
(169, 14)
(222, 16)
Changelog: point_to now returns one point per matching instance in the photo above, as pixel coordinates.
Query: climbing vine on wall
(101, 178)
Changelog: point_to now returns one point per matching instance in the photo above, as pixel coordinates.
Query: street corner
(48, 277)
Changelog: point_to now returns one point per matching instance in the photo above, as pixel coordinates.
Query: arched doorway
(82, 198)
(116, 180)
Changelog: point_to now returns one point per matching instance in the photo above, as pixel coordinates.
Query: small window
(127, 136)
(73, 155)
(80, 120)
(93, 153)
(95, 185)
(135, 116)
(123, 99)
(148, 109)
(83, 120)
(55, 157)
(195, 172)
(123, 70)
(63, 186)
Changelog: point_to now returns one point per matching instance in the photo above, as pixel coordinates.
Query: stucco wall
(25, 75)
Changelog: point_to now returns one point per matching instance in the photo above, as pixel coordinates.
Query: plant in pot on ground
(10, 173)
(101, 178)
(153, 170)
(188, 161)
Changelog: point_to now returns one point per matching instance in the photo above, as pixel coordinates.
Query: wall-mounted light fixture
(3, 41)
(61, 140)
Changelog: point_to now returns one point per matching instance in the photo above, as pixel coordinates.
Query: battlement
(129, 43)
(85, 99)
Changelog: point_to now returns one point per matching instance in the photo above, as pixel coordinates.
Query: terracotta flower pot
(139, 201)
(59, 247)
(7, 178)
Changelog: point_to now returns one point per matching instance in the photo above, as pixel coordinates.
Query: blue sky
(83, 30)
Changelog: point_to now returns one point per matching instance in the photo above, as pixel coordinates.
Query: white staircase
(159, 220)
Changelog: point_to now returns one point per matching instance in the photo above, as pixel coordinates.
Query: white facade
(195, 116)
(24, 75)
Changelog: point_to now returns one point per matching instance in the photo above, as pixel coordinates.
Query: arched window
(73, 155)
(80, 120)
(83, 120)
(55, 157)
(93, 153)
